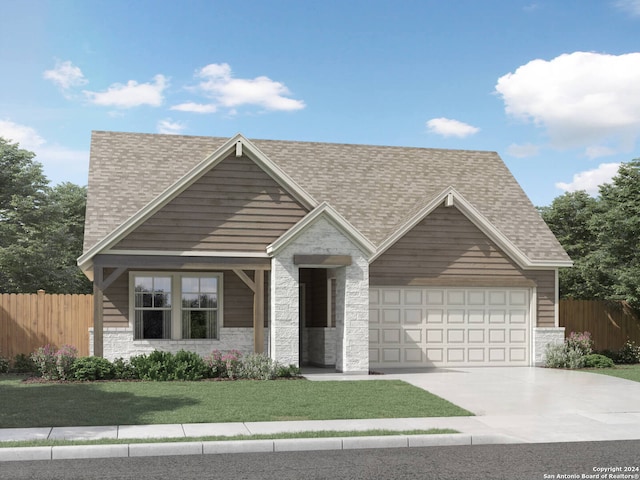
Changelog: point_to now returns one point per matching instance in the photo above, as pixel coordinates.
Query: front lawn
(136, 403)
(629, 372)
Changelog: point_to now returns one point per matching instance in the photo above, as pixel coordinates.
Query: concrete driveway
(538, 404)
(528, 404)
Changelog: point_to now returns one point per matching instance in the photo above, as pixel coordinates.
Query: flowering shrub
(580, 341)
(224, 365)
(55, 364)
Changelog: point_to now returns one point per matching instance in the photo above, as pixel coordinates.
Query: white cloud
(61, 164)
(630, 6)
(582, 99)
(170, 127)
(133, 94)
(66, 75)
(195, 107)
(218, 83)
(26, 136)
(523, 151)
(599, 151)
(451, 128)
(590, 180)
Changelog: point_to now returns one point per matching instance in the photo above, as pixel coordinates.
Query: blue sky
(552, 85)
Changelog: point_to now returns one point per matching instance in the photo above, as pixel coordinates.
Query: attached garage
(445, 327)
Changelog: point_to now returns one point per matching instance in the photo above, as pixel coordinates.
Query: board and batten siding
(236, 206)
(446, 249)
(237, 298)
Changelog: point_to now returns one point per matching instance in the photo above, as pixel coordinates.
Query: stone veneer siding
(352, 298)
(319, 346)
(543, 337)
(119, 342)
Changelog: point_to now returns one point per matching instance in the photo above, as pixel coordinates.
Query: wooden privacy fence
(29, 321)
(610, 323)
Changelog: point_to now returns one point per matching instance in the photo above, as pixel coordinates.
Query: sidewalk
(488, 429)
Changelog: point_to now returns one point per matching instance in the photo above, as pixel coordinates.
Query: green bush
(596, 360)
(4, 364)
(285, 371)
(23, 364)
(164, 366)
(224, 365)
(561, 355)
(629, 353)
(257, 366)
(123, 370)
(93, 368)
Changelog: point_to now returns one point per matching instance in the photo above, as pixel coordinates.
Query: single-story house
(353, 256)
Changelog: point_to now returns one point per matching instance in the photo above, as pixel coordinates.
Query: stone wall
(119, 342)
(541, 338)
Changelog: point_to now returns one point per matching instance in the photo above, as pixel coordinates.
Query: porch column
(352, 318)
(98, 343)
(284, 330)
(258, 312)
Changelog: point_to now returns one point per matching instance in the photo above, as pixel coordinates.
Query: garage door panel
(413, 336)
(449, 326)
(455, 336)
(412, 315)
(390, 336)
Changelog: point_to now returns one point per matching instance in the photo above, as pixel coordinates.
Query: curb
(245, 446)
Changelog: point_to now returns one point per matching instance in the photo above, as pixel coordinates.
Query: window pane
(147, 300)
(209, 301)
(144, 284)
(209, 285)
(161, 300)
(199, 324)
(162, 284)
(153, 324)
(190, 284)
(190, 300)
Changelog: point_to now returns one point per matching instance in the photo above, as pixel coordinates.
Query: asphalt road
(513, 462)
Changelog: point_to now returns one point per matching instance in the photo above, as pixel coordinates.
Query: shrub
(257, 366)
(54, 364)
(164, 366)
(224, 365)
(289, 371)
(93, 368)
(4, 364)
(123, 370)
(561, 355)
(596, 360)
(23, 364)
(580, 341)
(189, 366)
(629, 353)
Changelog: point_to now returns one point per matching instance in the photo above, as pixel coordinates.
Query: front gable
(269, 181)
(235, 206)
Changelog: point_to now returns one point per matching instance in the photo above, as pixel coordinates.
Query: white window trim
(176, 302)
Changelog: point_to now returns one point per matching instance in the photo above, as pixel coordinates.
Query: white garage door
(443, 327)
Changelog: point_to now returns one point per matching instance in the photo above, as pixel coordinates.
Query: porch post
(258, 312)
(98, 274)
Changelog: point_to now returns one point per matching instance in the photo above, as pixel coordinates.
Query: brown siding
(446, 249)
(237, 298)
(234, 207)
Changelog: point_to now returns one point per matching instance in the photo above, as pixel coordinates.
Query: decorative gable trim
(327, 212)
(450, 197)
(237, 145)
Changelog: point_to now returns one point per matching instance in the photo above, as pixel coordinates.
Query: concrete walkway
(512, 405)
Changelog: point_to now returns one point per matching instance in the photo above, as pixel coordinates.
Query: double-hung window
(176, 305)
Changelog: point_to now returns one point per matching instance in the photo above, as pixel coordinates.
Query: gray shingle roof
(376, 188)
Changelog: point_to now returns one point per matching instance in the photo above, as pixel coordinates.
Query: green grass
(138, 403)
(315, 434)
(629, 372)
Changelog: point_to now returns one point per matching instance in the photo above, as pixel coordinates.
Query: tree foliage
(602, 236)
(41, 227)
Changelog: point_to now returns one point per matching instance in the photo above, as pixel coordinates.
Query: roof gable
(238, 145)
